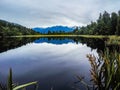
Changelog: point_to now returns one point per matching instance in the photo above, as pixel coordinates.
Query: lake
(54, 62)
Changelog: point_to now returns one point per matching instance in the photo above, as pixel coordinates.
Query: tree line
(61, 32)
(107, 24)
(12, 29)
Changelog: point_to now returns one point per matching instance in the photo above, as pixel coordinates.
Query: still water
(53, 62)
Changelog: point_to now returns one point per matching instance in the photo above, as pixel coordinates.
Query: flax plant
(12, 86)
(105, 70)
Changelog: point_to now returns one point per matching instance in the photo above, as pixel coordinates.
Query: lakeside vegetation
(11, 29)
(105, 70)
(107, 24)
(13, 86)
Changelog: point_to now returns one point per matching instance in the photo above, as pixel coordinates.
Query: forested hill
(107, 24)
(12, 29)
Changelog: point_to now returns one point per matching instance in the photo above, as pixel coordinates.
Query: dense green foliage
(105, 70)
(12, 29)
(58, 33)
(107, 24)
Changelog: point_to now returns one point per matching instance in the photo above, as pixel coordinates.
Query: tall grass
(12, 86)
(105, 70)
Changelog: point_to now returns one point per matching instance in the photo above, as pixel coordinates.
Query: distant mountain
(13, 29)
(54, 29)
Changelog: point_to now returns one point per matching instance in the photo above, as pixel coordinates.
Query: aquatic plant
(12, 86)
(105, 70)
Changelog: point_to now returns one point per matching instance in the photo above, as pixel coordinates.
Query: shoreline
(85, 36)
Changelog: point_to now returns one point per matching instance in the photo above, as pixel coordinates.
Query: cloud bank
(32, 13)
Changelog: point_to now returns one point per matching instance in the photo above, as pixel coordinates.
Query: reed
(105, 70)
(12, 86)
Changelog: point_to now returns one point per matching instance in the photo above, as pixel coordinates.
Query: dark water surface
(53, 62)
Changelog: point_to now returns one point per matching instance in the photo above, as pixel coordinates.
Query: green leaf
(25, 85)
(10, 82)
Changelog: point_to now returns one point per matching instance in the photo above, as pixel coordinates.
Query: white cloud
(33, 13)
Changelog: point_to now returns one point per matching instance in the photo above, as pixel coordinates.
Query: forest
(12, 29)
(106, 24)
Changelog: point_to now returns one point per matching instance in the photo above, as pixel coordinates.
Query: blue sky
(43, 13)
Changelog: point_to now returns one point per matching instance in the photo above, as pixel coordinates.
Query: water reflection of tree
(105, 70)
(93, 43)
(11, 43)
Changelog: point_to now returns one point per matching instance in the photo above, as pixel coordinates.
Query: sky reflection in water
(53, 65)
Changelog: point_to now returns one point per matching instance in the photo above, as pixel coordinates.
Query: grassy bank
(66, 35)
(112, 39)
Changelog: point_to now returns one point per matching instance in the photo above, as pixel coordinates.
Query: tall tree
(119, 12)
(113, 23)
(118, 26)
(106, 19)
